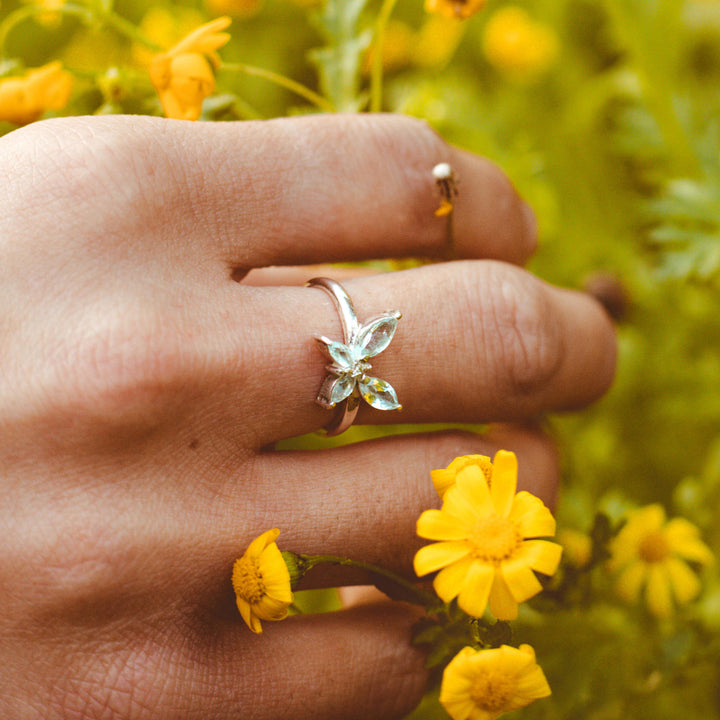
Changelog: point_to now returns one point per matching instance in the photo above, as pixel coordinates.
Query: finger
(299, 275)
(477, 342)
(359, 501)
(280, 192)
(352, 664)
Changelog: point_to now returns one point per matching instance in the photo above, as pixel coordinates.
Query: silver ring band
(348, 381)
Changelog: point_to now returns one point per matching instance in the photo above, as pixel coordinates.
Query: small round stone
(442, 171)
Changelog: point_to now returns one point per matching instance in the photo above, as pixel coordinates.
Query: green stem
(127, 29)
(285, 82)
(376, 72)
(423, 597)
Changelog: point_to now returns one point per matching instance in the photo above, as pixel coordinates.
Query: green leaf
(339, 62)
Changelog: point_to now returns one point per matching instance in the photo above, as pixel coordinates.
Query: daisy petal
(472, 484)
(439, 525)
(520, 579)
(684, 581)
(450, 580)
(532, 516)
(473, 597)
(630, 581)
(683, 538)
(540, 555)
(657, 591)
(501, 602)
(438, 555)
(259, 544)
(504, 481)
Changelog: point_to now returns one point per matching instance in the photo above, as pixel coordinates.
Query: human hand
(144, 375)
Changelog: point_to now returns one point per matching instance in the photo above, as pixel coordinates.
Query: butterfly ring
(348, 382)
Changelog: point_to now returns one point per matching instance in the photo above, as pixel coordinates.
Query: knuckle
(521, 333)
(130, 372)
(82, 161)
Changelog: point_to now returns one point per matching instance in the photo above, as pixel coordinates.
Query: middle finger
(478, 341)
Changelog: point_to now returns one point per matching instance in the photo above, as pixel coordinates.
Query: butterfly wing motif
(349, 364)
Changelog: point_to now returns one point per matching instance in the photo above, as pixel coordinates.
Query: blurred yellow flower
(444, 479)
(437, 40)
(651, 553)
(488, 546)
(397, 47)
(484, 684)
(577, 546)
(50, 14)
(238, 8)
(183, 76)
(24, 99)
(517, 45)
(165, 26)
(459, 9)
(261, 582)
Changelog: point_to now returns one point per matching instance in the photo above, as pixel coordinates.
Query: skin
(156, 340)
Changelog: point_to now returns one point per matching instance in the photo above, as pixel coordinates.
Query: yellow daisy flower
(484, 684)
(239, 8)
(516, 44)
(261, 582)
(183, 76)
(459, 9)
(24, 99)
(651, 553)
(488, 545)
(444, 478)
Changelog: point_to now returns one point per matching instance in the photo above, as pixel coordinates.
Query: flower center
(248, 580)
(653, 547)
(359, 368)
(494, 538)
(492, 691)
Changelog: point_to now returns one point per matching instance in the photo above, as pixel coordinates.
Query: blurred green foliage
(616, 144)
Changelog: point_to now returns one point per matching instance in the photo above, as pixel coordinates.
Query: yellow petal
(520, 579)
(501, 602)
(440, 525)
(683, 539)
(685, 583)
(504, 481)
(275, 574)
(540, 555)
(450, 580)
(269, 609)
(472, 487)
(630, 581)
(247, 615)
(261, 542)
(657, 591)
(201, 38)
(473, 597)
(530, 686)
(442, 480)
(532, 516)
(438, 555)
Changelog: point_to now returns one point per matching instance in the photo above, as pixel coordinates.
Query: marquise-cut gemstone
(374, 337)
(378, 393)
(341, 388)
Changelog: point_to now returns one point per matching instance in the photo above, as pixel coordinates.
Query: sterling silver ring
(348, 381)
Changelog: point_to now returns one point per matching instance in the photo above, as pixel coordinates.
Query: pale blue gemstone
(374, 337)
(341, 388)
(378, 393)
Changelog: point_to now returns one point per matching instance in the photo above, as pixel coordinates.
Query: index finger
(289, 191)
